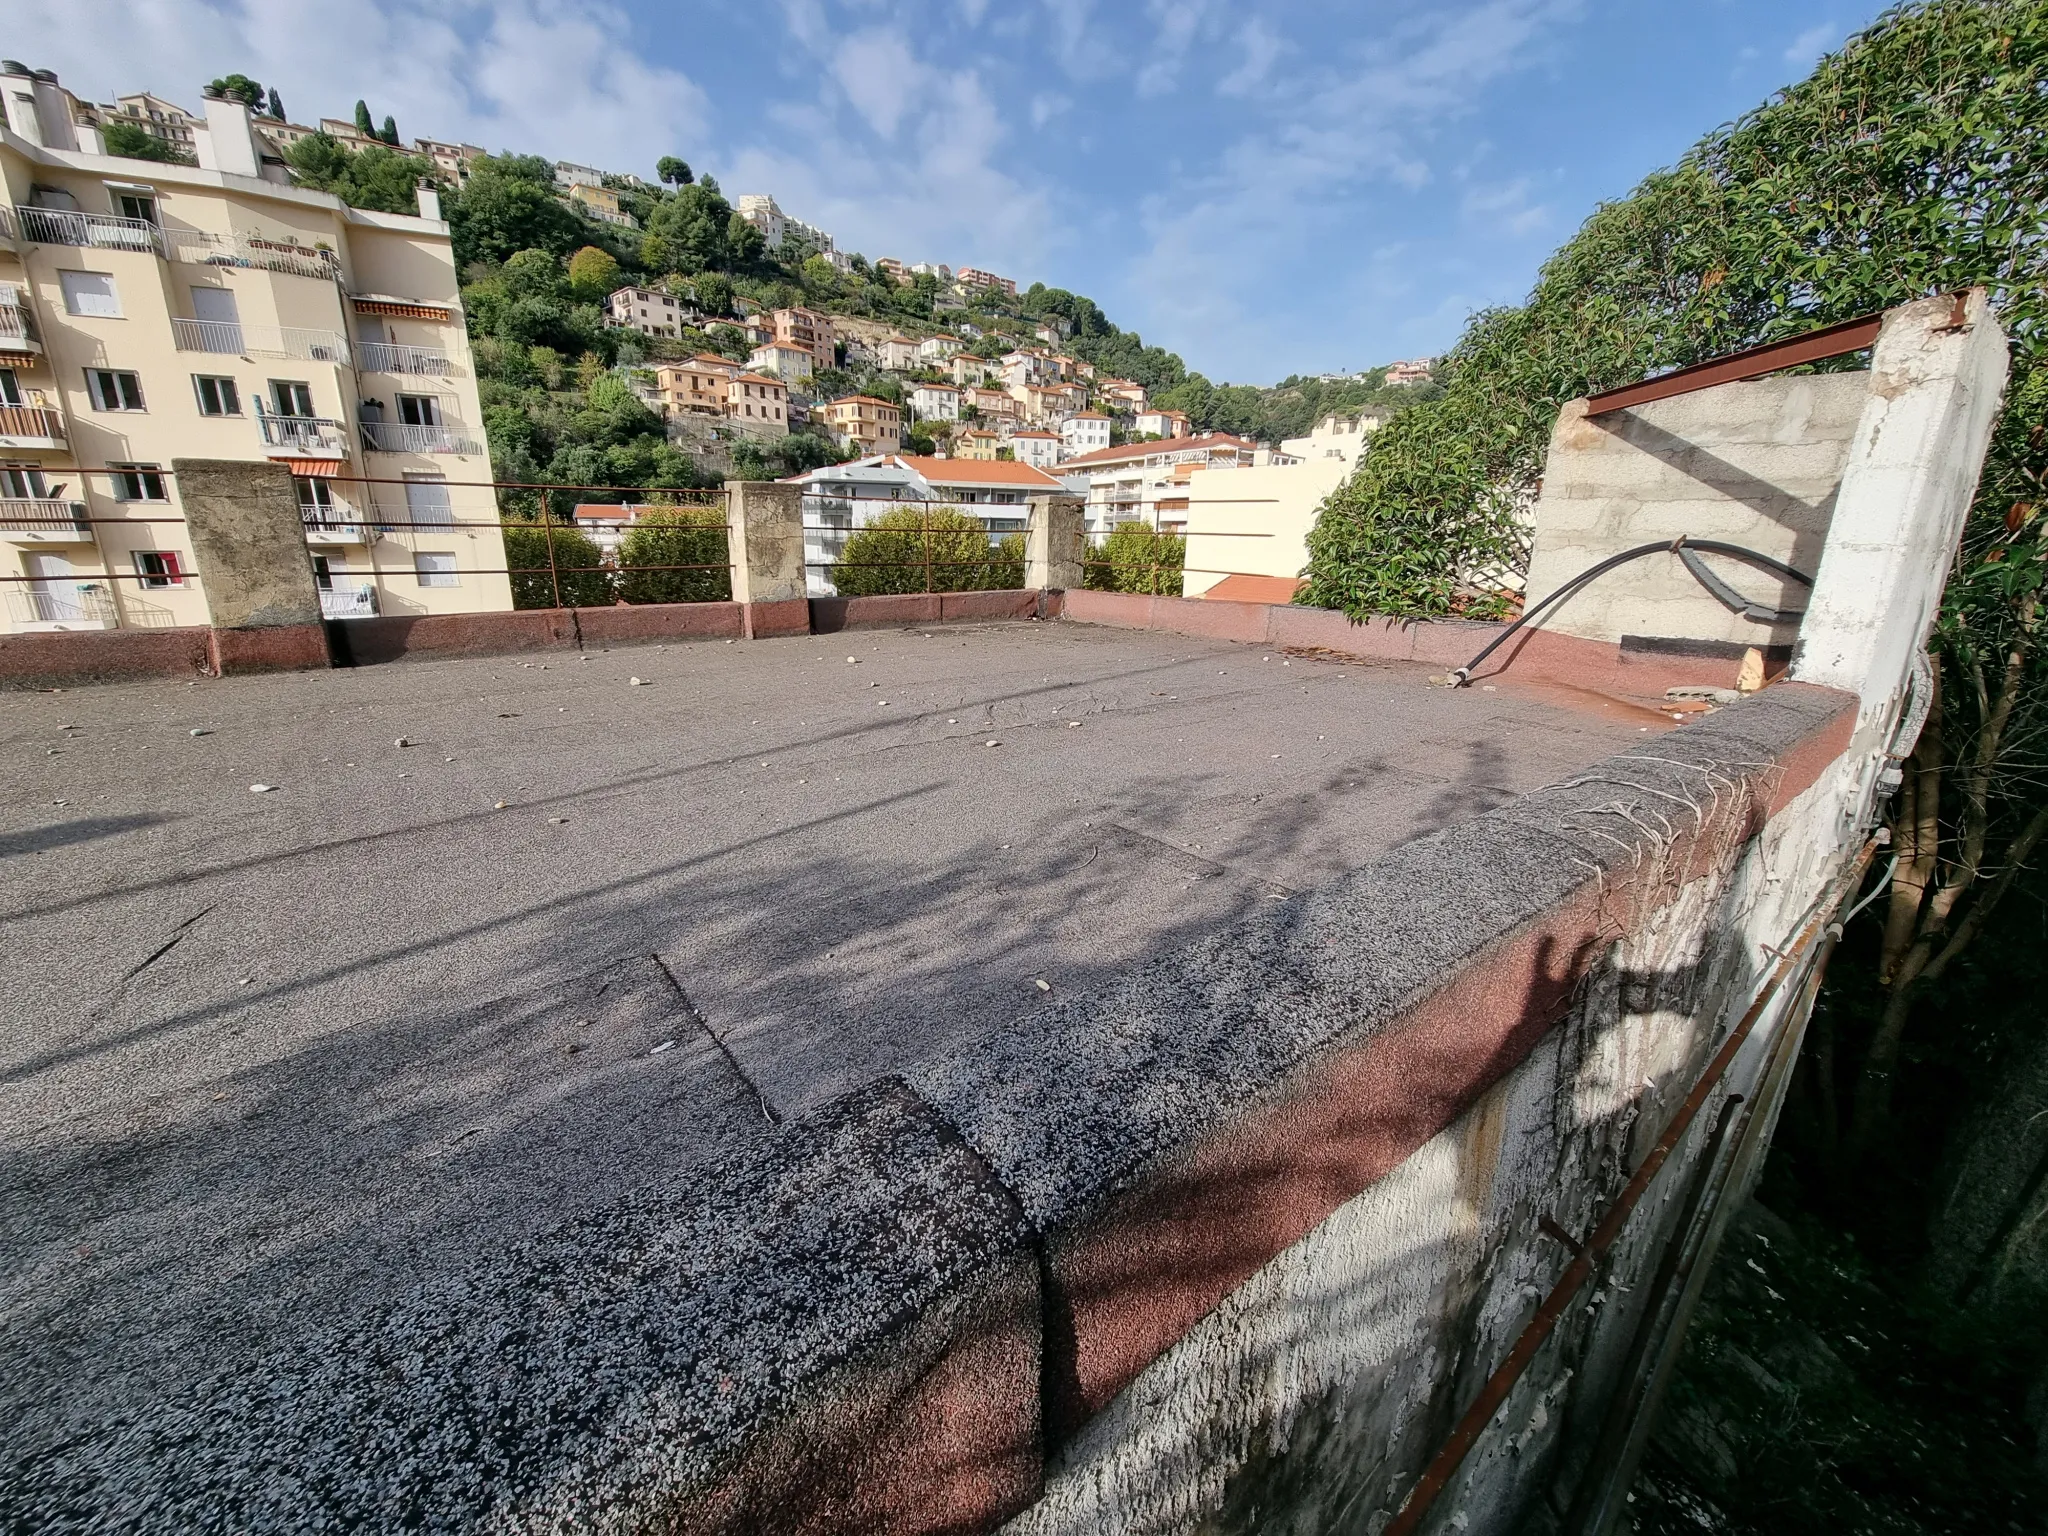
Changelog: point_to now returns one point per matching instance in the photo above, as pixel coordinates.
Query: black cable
(1680, 546)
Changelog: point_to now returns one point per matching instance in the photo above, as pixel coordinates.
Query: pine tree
(364, 126)
(276, 104)
(390, 133)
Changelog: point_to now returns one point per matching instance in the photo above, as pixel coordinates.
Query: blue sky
(1266, 188)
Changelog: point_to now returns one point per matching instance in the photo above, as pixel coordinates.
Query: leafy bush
(373, 177)
(927, 549)
(675, 536)
(553, 556)
(1135, 558)
(135, 143)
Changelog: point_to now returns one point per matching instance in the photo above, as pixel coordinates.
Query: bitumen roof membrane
(272, 1058)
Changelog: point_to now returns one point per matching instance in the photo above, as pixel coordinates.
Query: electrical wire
(1682, 546)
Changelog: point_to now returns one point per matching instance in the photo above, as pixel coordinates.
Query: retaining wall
(1076, 1275)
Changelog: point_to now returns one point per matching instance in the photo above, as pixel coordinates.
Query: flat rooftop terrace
(270, 1058)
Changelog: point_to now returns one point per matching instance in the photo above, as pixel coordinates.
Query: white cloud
(1177, 23)
(566, 79)
(1812, 43)
(1258, 49)
(880, 76)
(1504, 209)
(1046, 106)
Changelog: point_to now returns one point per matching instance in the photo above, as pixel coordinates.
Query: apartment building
(759, 209)
(696, 386)
(649, 311)
(1123, 395)
(898, 354)
(1334, 437)
(974, 278)
(783, 360)
(936, 402)
(757, 405)
(1164, 424)
(456, 162)
(990, 404)
(600, 203)
(968, 369)
(1416, 370)
(977, 443)
(895, 271)
(1148, 482)
(154, 312)
(160, 119)
(806, 328)
(1041, 450)
(841, 498)
(862, 422)
(1084, 432)
(1028, 367)
(937, 351)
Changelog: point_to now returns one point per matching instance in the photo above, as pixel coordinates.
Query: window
(90, 293)
(137, 482)
(159, 568)
(435, 570)
(136, 205)
(315, 495)
(419, 410)
(426, 501)
(10, 387)
(113, 390)
(217, 396)
(24, 480)
(291, 399)
(323, 572)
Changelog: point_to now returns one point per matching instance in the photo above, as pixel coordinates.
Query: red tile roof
(978, 472)
(1162, 445)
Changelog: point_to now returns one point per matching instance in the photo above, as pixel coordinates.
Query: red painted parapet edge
(1131, 1279)
(66, 658)
(832, 614)
(270, 648)
(1644, 668)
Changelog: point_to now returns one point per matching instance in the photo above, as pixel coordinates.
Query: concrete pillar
(254, 569)
(764, 522)
(1055, 543)
(1936, 375)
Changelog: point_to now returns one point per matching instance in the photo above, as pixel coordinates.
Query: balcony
(388, 357)
(335, 523)
(18, 331)
(303, 437)
(397, 437)
(64, 226)
(61, 605)
(41, 520)
(30, 426)
(255, 251)
(349, 603)
(235, 339)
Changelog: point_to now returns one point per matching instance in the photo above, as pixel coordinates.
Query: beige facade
(696, 387)
(805, 328)
(758, 405)
(1249, 526)
(160, 312)
(865, 423)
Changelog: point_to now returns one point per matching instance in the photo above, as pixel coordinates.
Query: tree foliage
(374, 176)
(550, 558)
(1136, 558)
(132, 142)
(509, 205)
(238, 88)
(594, 274)
(660, 543)
(1913, 161)
(927, 548)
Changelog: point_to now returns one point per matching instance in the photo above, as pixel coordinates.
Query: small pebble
(666, 1045)
(198, 731)
(499, 806)
(1042, 985)
(254, 789)
(559, 821)
(992, 743)
(401, 742)
(634, 682)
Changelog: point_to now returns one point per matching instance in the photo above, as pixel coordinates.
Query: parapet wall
(1004, 1285)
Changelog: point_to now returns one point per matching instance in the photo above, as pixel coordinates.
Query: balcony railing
(397, 437)
(304, 436)
(87, 606)
(349, 603)
(18, 330)
(64, 226)
(239, 340)
(335, 523)
(389, 357)
(37, 517)
(244, 250)
(30, 421)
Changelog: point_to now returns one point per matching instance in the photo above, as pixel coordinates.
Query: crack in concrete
(690, 1012)
(177, 936)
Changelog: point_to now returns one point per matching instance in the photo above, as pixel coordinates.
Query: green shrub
(1135, 558)
(927, 549)
(556, 557)
(669, 537)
